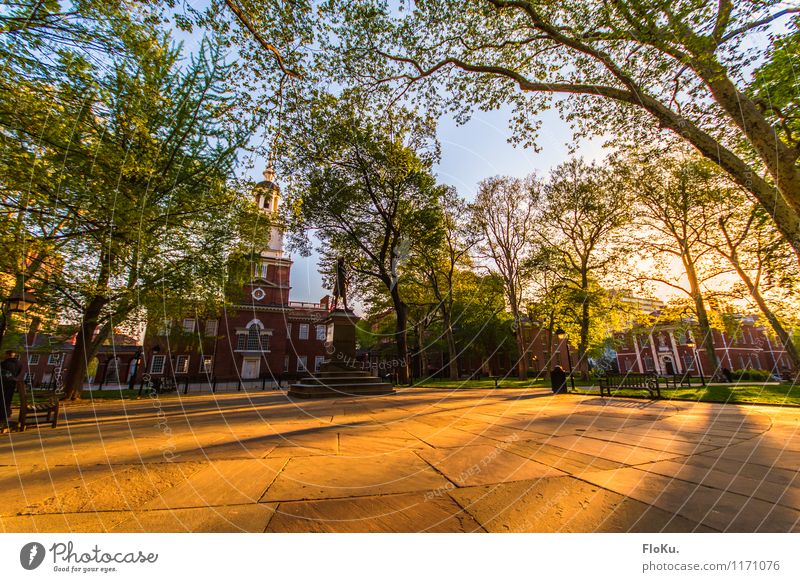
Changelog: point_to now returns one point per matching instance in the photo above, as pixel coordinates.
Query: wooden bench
(676, 381)
(36, 407)
(630, 381)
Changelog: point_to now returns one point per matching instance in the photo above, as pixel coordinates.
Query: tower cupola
(267, 193)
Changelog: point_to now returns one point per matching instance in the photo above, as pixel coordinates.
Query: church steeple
(268, 197)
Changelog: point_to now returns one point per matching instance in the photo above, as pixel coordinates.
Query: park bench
(630, 381)
(36, 406)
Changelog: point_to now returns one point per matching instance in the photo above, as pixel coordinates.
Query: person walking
(558, 380)
(9, 372)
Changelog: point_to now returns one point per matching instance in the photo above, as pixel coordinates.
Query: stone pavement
(421, 460)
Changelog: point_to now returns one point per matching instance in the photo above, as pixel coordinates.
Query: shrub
(751, 374)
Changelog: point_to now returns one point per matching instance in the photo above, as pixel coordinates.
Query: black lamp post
(691, 345)
(19, 301)
(136, 362)
(562, 335)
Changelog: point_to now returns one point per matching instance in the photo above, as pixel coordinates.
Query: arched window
(112, 371)
(255, 339)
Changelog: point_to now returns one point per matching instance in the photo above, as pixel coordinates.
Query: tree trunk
(522, 361)
(548, 351)
(451, 344)
(86, 346)
(702, 314)
(779, 159)
(583, 346)
(773, 320)
(423, 353)
(401, 331)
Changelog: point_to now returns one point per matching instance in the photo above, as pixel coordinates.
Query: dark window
(253, 340)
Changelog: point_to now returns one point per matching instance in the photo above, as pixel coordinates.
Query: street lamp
(562, 335)
(693, 347)
(19, 301)
(135, 363)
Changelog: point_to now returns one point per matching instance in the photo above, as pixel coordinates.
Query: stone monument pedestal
(341, 376)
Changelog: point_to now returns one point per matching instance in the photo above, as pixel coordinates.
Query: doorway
(250, 368)
(669, 366)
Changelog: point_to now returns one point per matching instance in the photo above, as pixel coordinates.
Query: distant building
(264, 339)
(268, 337)
(663, 349)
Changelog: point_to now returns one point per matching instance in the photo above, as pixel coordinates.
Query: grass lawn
(101, 395)
(774, 394)
(510, 382)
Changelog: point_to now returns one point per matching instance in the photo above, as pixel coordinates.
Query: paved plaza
(421, 460)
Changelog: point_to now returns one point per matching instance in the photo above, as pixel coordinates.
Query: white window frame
(206, 364)
(318, 361)
(166, 327)
(161, 359)
(33, 359)
(285, 363)
(212, 327)
(182, 364)
(188, 324)
(302, 363)
(54, 359)
(322, 332)
(302, 333)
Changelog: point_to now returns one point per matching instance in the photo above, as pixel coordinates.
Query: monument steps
(337, 378)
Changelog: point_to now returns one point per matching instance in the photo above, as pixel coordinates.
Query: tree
(482, 326)
(504, 212)
(747, 240)
(672, 197)
(629, 68)
(438, 265)
(548, 295)
(586, 206)
(363, 183)
(129, 162)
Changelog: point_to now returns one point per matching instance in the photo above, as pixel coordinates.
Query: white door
(250, 368)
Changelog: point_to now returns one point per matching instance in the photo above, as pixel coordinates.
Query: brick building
(663, 349)
(263, 338)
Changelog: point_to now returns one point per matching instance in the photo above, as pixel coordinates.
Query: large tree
(438, 266)
(129, 160)
(746, 238)
(504, 211)
(363, 184)
(673, 196)
(586, 206)
(625, 67)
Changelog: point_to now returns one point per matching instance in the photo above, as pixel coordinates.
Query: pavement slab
(482, 464)
(407, 512)
(252, 518)
(325, 477)
(564, 504)
(222, 483)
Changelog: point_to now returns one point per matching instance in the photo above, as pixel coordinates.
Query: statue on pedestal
(340, 285)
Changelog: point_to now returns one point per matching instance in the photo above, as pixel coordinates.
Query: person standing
(9, 372)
